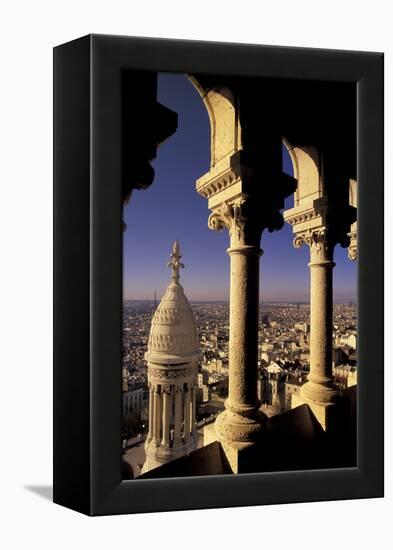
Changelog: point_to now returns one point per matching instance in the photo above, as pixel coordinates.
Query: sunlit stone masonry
(245, 189)
(172, 359)
(318, 222)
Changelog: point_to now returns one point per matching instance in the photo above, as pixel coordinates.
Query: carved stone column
(166, 416)
(151, 413)
(178, 416)
(319, 390)
(187, 411)
(241, 421)
(157, 416)
(193, 410)
(152, 420)
(245, 189)
(321, 219)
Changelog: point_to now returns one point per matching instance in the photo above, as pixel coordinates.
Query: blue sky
(172, 210)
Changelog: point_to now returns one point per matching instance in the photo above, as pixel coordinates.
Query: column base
(319, 392)
(237, 453)
(233, 427)
(237, 433)
(323, 404)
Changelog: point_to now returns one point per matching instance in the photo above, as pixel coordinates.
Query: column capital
(321, 245)
(353, 201)
(353, 246)
(241, 219)
(321, 227)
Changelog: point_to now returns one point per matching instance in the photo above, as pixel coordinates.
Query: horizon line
(302, 302)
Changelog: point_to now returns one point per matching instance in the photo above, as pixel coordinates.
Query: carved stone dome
(173, 335)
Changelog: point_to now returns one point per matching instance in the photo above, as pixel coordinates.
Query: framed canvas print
(218, 275)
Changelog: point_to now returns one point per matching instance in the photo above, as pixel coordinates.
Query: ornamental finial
(175, 262)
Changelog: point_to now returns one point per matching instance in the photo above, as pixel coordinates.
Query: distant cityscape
(283, 361)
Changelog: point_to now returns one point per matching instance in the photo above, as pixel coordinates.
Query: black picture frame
(88, 275)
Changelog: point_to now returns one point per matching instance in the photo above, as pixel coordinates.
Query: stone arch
(226, 139)
(353, 196)
(292, 155)
(222, 107)
(307, 170)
